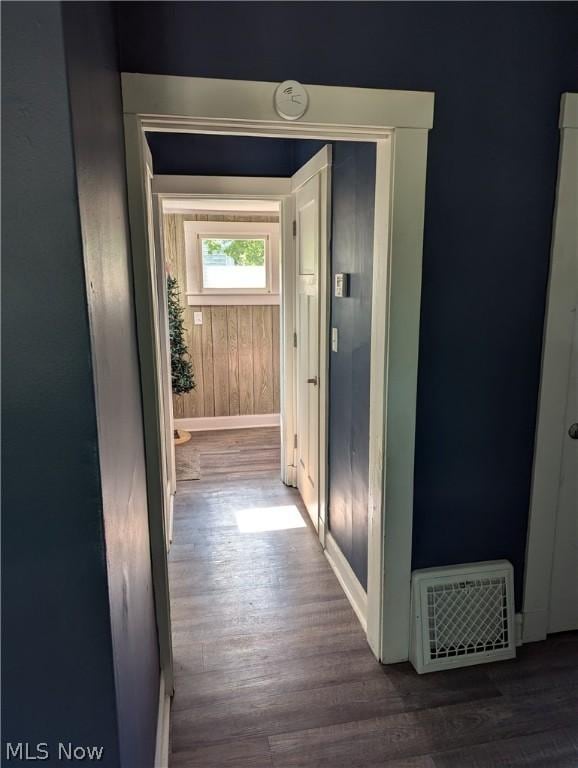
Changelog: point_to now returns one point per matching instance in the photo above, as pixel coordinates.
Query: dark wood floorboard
(273, 670)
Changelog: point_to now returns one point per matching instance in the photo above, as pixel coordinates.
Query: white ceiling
(194, 205)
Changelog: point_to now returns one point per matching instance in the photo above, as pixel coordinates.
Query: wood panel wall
(235, 352)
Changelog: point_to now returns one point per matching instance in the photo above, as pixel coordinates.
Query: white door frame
(550, 425)
(148, 331)
(162, 301)
(398, 121)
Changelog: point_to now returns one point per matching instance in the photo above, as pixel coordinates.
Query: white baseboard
(354, 592)
(163, 722)
(207, 423)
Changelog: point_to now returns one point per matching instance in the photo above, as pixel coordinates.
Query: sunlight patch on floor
(260, 519)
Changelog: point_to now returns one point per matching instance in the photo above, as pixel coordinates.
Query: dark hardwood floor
(272, 667)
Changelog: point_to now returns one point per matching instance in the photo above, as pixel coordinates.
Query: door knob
(573, 431)
(312, 381)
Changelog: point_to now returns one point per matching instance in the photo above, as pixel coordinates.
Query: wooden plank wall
(235, 352)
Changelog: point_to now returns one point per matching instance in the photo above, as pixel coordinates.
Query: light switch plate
(341, 285)
(198, 318)
(334, 339)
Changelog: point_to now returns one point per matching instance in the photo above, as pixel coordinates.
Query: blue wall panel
(353, 195)
(57, 660)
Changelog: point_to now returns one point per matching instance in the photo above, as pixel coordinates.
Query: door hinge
(295, 441)
(294, 228)
(295, 338)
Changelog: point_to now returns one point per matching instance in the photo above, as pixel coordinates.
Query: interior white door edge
(310, 186)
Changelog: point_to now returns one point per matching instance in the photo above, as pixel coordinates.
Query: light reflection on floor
(260, 519)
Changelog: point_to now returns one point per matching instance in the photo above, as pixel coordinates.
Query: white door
(564, 585)
(311, 217)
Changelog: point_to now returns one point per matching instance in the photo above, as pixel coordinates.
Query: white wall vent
(462, 615)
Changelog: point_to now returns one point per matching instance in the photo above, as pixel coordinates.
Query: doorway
(398, 124)
(311, 375)
(223, 257)
(257, 361)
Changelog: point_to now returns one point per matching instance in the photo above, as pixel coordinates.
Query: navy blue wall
(498, 70)
(95, 102)
(207, 155)
(79, 647)
(353, 196)
(57, 658)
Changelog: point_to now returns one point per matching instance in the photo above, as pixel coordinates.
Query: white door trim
(207, 105)
(171, 478)
(550, 426)
(199, 105)
(252, 188)
(148, 334)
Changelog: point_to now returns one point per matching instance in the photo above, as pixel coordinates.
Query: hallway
(272, 667)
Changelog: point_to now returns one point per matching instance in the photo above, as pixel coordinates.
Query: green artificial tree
(182, 377)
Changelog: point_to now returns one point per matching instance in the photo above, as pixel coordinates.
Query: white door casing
(564, 585)
(165, 363)
(551, 567)
(158, 280)
(139, 176)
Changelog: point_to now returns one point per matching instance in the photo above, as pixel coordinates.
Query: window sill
(232, 299)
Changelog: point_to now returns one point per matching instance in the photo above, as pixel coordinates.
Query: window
(232, 262)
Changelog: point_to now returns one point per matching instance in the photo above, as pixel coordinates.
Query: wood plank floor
(272, 667)
(238, 453)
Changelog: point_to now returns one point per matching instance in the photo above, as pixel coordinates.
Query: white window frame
(198, 295)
